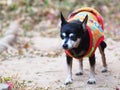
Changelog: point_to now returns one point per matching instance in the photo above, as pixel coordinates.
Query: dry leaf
(26, 46)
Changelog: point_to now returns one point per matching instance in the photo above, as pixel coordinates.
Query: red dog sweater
(94, 26)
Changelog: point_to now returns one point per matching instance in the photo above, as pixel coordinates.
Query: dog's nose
(65, 46)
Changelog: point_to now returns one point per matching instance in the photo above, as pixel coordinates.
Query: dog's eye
(63, 35)
(73, 37)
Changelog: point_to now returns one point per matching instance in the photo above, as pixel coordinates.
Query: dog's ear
(63, 21)
(84, 22)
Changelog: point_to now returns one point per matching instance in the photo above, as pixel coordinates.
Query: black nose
(65, 46)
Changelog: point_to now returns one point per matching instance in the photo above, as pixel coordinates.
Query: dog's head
(72, 32)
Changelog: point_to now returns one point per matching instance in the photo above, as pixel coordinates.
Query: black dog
(78, 40)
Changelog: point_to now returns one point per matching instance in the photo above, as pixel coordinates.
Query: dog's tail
(91, 10)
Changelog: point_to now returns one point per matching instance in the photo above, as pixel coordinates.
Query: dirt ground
(50, 72)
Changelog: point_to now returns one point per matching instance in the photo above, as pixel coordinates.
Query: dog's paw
(79, 73)
(91, 81)
(104, 70)
(68, 81)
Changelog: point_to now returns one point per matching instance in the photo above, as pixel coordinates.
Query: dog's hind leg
(101, 49)
(92, 70)
(69, 66)
(80, 67)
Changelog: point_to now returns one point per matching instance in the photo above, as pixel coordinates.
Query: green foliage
(27, 3)
(106, 1)
(12, 7)
(27, 26)
(7, 78)
(46, 2)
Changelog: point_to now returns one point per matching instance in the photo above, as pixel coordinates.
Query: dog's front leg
(92, 70)
(80, 67)
(69, 66)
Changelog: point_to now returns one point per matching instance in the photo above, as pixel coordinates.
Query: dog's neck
(82, 48)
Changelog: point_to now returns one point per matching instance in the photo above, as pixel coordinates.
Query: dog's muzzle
(69, 44)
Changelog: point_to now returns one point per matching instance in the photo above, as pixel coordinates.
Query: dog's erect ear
(63, 21)
(85, 22)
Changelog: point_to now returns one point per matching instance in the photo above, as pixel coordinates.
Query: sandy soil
(50, 72)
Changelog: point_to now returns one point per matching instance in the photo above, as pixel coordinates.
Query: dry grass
(17, 85)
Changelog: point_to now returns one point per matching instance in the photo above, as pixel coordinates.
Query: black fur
(69, 60)
(103, 45)
(76, 28)
(92, 60)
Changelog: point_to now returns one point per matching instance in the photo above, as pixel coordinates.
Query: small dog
(82, 33)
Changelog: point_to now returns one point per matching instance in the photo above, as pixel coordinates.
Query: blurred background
(38, 36)
(43, 16)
